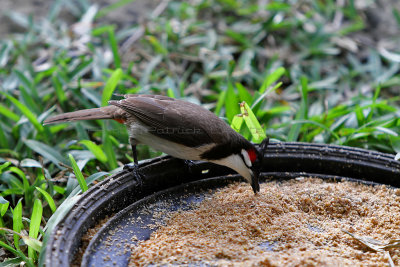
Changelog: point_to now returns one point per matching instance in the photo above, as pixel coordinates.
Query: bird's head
(247, 161)
(253, 160)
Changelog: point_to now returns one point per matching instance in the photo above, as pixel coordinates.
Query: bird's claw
(135, 170)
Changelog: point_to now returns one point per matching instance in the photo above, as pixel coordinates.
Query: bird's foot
(135, 170)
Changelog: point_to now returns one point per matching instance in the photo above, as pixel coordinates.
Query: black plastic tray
(168, 179)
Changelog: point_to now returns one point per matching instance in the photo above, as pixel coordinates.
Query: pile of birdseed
(297, 222)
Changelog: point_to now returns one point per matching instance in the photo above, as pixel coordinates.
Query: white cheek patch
(246, 158)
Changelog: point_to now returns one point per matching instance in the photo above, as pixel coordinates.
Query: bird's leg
(134, 168)
(135, 164)
(134, 153)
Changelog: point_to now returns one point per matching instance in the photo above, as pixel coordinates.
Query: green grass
(274, 70)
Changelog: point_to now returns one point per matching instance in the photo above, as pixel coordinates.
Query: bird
(180, 129)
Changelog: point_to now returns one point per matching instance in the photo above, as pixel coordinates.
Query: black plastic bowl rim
(286, 159)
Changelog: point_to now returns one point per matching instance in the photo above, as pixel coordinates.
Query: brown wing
(176, 120)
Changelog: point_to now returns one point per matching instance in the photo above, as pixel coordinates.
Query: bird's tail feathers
(108, 112)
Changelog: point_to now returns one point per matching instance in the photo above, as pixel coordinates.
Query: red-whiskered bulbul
(179, 128)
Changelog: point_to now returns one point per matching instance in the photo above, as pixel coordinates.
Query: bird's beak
(257, 167)
(254, 181)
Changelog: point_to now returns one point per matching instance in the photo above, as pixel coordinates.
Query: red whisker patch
(252, 155)
(120, 120)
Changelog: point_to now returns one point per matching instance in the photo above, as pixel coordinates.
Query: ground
(382, 29)
(382, 24)
(127, 15)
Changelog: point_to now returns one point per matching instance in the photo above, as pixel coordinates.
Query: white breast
(143, 135)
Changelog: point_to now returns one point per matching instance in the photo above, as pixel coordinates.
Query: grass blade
(16, 252)
(62, 210)
(26, 82)
(81, 69)
(260, 97)
(109, 151)
(25, 182)
(4, 143)
(244, 95)
(58, 89)
(28, 101)
(302, 112)
(28, 114)
(220, 103)
(95, 149)
(320, 125)
(8, 113)
(104, 11)
(114, 47)
(32, 243)
(78, 174)
(271, 78)
(3, 206)
(48, 198)
(110, 86)
(157, 45)
(170, 93)
(237, 123)
(4, 166)
(46, 151)
(17, 222)
(231, 103)
(11, 262)
(257, 132)
(359, 115)
(34, 227)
